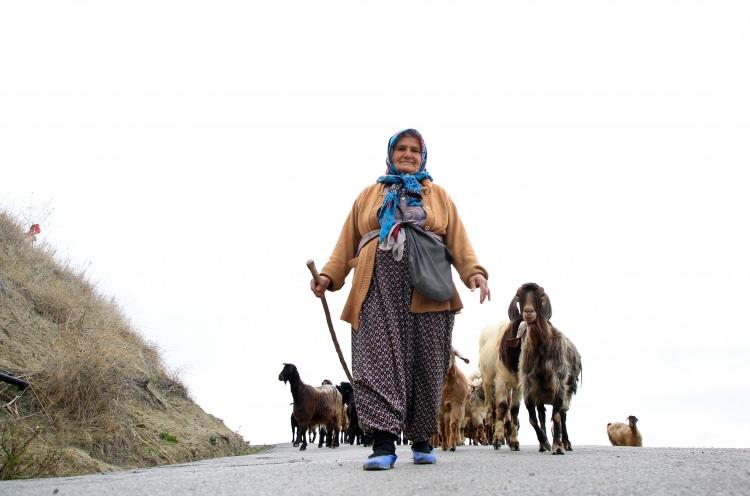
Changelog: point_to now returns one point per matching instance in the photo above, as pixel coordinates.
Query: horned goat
(313, 406)
(625, 434)
(549, 365)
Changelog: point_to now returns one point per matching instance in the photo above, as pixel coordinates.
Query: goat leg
(543, 425)
(557, 428)
(302, 437)
(541, 435)
(566, 441)
(513, 442)
(498, 438)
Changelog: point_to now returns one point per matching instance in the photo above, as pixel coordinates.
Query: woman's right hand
(320, 288)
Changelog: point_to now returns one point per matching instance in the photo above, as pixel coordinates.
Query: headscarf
(409, 182)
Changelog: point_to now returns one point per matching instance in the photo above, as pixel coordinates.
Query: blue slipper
(424, 458)
(382, 462)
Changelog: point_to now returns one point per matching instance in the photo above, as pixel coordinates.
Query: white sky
(196, 154)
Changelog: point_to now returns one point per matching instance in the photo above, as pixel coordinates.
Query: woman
(401, 339)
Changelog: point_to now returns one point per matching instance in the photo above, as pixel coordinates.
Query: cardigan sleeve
(338, 267)
(457, 241)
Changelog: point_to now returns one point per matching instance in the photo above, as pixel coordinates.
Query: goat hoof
(568, 447)
(515, 446)
(302, 448)
(545, 446)
(453, 449)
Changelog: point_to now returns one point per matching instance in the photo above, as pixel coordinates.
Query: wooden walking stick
(316, 276)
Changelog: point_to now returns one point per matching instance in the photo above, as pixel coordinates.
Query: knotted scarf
(408, 182)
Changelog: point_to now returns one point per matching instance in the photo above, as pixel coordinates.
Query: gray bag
(429, 265)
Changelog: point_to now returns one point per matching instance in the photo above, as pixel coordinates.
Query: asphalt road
(284, 470)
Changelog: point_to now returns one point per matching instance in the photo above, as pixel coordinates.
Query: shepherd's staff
(316, 276)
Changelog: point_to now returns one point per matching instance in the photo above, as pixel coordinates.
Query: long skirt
(399, 358)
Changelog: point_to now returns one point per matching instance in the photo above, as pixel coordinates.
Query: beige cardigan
(442, 219)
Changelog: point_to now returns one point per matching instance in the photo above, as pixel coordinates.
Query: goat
(452, 404)
(498, 365)
(625, 434)
(312, 406)
(475, 413)
(549, 364)
(347, 396)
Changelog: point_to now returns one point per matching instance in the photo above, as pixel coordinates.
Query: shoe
(382, 462)
(424, 458)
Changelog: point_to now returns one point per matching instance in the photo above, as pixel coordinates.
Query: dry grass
(21, 457)
(100, 392)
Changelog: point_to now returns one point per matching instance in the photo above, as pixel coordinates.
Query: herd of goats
(524, 358)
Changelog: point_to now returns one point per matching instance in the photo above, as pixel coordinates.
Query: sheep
(625, 434)
(312, 406)
(454, 395)
(498, 365)
(549, 365)
(323, 436)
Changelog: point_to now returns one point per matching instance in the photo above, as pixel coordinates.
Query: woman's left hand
(478, 281)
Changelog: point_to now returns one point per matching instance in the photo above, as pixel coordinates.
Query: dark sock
(421, 446)
(384, 443)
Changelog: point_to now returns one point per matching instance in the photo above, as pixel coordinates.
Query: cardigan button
(426, 228)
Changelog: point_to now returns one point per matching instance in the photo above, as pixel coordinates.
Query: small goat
(625, 434)
(475, 413)
(452, 405)
(549, 364)
(312, 406)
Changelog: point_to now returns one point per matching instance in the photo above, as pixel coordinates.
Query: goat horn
(459, 355)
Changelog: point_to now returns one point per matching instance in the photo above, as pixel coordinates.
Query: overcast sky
(195, 154)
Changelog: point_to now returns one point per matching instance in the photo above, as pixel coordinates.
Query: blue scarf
(408, 182)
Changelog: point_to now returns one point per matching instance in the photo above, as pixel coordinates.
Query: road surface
(283, 470)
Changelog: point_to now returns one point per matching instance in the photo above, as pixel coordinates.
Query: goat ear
(546, 310)
(513, 312)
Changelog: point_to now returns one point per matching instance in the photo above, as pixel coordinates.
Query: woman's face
(407, 155)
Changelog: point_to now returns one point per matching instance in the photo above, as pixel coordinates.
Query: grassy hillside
(100, 398)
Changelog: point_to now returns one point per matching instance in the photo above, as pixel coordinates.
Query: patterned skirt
(399, 358)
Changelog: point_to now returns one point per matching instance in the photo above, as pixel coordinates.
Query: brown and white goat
(313, 405)
(549, 365)
(455, 393)
(625, 434)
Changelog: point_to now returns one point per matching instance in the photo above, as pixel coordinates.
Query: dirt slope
(100, 398)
